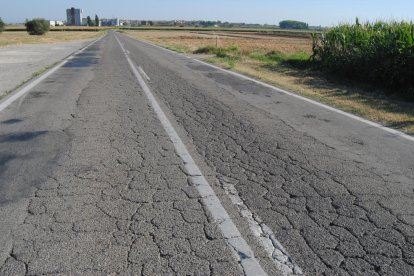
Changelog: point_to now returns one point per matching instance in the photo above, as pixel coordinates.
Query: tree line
(293, 25)
(91, 22)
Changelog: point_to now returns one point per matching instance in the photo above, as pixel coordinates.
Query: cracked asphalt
(90, 182)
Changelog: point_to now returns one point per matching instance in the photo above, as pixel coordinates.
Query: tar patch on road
(85, 59)
(21, 136)
(81, 62)
(12, 121)
(203, 68)
(38, 94)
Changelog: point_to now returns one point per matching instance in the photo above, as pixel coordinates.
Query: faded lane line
(16, 95)
(277, 89)
(143, 73)
(232, 235)
(262, 232)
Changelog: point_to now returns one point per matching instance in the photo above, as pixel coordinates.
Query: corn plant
(381, 53)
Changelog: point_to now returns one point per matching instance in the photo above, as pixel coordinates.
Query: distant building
(110, 22)
(56, 23)
(164, 23)
(74, 17)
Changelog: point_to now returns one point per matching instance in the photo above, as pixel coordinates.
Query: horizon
(315, 13)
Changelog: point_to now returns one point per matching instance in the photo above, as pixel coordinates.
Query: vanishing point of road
(129, 159)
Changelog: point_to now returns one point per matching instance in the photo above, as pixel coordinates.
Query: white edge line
(24, 90)
(352, 116)
(243, 252)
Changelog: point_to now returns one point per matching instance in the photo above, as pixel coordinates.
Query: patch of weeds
(179, 49)
(300, 60)
(222, 62)
(227, 57)
(269, 57)
(205, 50)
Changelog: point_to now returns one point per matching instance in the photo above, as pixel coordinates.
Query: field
(280, 32)
(282, 60)
(191, 41)
(11, 38)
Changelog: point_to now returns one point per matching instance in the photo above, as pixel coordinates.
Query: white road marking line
(16, 95)
(143, 73)
(262, 232)
(277, 89)
(243, 252)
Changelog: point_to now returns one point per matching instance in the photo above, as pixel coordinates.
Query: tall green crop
(381, 53)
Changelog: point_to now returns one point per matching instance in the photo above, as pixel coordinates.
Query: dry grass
(17, 38)
(385, 110)
(247, 42)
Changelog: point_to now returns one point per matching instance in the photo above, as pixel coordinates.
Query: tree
(96, 20)
(291, 24)
(37, 26)
(89, 21)
(1, 25)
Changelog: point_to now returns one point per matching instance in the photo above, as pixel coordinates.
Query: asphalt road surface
(130, 159)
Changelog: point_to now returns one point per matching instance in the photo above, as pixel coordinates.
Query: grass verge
(288, 68)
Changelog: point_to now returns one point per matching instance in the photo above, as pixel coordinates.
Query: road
(131, 159)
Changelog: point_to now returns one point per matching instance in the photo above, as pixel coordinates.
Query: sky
(314, 12)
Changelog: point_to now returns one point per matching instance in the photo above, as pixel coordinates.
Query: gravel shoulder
(18, 64)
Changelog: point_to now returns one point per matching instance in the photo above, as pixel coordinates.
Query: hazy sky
(315, 12)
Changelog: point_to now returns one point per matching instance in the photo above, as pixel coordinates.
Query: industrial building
(110, 22)
(74, 17)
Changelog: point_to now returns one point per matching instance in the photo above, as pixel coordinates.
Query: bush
(381, 53)
(1, 25)
(231, 51)
(230, 55)
(37, 26)
(205, 50)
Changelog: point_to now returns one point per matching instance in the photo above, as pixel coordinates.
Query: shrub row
(381, 53)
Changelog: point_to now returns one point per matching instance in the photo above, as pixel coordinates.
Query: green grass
(298, 59)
